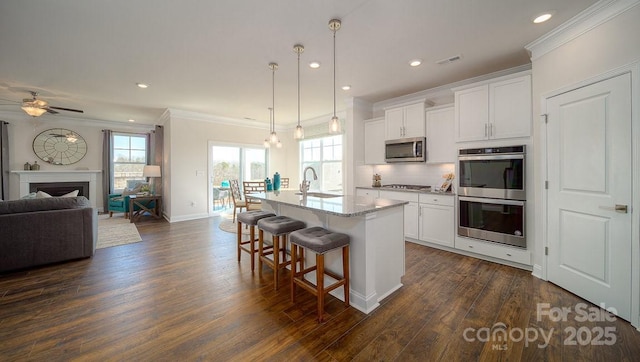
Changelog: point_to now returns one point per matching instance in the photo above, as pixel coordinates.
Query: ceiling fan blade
(49, 110)
(65, 109)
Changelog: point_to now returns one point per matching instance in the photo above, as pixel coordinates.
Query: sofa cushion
(50, 203)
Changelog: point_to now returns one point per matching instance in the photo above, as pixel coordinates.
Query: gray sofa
(41, 231)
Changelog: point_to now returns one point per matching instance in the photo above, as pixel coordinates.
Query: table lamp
(151, 171)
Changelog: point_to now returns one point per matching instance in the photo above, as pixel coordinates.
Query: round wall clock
(59, 146)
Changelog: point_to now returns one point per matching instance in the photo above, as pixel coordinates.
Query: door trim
(634, 70)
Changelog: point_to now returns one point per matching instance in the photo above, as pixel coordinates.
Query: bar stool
(250, 218)
(279, 227)
(320, 241)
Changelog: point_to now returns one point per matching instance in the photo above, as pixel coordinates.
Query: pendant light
(334, 124)
(299, 132)
(267, 143)
(273, 136)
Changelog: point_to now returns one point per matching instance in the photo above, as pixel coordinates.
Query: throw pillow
(42, 195)
(73, 193)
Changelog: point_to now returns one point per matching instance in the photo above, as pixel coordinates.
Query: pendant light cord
(273, 97)
(334, 72)
(298, 88)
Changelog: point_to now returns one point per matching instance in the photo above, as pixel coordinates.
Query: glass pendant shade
(334, 125)
(266, 143)
(273, 138)
(298, 133)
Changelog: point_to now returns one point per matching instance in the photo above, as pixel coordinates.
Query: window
(325, 156)
(129, 158)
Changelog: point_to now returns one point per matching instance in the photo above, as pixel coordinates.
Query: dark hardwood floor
(181, 295)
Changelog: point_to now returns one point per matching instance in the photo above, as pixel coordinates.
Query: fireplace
(60, 188)
(57, 183)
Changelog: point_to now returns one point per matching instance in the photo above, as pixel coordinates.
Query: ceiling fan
(37, 107)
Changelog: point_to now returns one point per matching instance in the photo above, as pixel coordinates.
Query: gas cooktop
(408, 187)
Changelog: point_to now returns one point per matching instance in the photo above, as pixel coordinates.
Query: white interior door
(589, 193)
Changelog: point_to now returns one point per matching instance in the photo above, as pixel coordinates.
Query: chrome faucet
(304, 186)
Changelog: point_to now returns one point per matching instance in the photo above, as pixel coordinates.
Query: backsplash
(413, 173)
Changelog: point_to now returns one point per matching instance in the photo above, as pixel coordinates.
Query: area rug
(227, 224)
(116, 231)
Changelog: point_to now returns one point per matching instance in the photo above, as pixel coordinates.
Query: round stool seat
(252, 217)
(278, 225)
(318, 240)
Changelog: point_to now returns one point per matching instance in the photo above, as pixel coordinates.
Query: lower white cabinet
(437, 219)
(410, 210)
(514, 254)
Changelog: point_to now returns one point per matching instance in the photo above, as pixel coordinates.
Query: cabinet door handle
(486, 133)
(490, 130)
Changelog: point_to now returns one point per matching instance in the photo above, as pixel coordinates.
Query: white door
(589, 192)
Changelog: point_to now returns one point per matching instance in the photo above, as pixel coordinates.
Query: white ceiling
(212, 56)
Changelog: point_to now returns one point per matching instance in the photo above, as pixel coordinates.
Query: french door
(228, 162)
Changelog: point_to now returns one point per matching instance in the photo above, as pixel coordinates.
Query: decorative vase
(276, 181)
(35, 166)
(27, 166)
(268, 184)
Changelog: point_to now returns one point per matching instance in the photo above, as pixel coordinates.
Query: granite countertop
(341, 205)
(382, 188)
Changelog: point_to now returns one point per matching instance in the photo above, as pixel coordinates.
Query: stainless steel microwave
(405, 150)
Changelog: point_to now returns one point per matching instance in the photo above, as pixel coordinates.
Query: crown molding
(20, 117)
(592, 17)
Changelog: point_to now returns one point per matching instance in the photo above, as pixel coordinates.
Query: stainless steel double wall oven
(492, 194)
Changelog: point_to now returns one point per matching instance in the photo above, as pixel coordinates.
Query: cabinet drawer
(435, 199)
(495, 250)
(399, 195)
(367, 192)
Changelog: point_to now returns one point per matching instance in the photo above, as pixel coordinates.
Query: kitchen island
(377, 238)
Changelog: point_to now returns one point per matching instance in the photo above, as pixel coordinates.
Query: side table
(150, 203)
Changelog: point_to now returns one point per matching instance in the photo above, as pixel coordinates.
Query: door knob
(623, 209)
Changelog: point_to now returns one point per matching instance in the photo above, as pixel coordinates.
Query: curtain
(156, 156)
(4, 161)
(107, 167)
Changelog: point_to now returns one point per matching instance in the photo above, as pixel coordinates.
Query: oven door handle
(491, 157)
(492, 201)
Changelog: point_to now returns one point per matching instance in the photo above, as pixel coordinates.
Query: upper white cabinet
(494, 110)
(441, 144)
(374, 133)
(405, 121)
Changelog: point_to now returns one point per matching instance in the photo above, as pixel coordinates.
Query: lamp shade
(151, 171)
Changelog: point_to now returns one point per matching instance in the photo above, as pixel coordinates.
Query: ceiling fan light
(34, 111)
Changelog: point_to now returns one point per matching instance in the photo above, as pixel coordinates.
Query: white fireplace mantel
(91, 176)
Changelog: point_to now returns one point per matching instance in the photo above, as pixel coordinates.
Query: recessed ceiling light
(415, 62)
(346, 87)
(142, 85)
(314, 65)
(132, 120)
(542, 18)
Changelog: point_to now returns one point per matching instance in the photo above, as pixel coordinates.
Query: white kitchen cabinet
(374, 136)
(405, 121)
(410, 210)
(494, 110)
(441, 144)
(437, 219)
(367, 192)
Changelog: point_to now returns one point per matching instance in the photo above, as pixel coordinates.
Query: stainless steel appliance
(492, 194)
(496, 172)
(405, 150)
(496, 220)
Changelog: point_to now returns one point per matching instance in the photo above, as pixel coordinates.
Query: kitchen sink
(319, 194)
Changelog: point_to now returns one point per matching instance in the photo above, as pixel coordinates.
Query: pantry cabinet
(441, 144)
(494, 110)
(405, 121)
(374, 135)
(437, 219)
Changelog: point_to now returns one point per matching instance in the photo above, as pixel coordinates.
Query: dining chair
(252, 187)
(236, 197)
